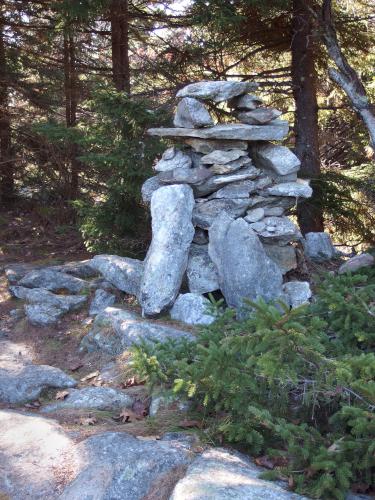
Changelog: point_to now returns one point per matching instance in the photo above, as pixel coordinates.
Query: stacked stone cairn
(219, 205)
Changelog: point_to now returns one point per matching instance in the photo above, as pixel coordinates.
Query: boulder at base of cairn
(192, 309)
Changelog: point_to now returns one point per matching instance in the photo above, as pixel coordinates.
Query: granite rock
(201, 272)
(218, 91)
(123, 272)
(274, 157)
(101, 300)
(192, 309)
(191, 113)
(173, 158)
(357, 262)
(319, 247)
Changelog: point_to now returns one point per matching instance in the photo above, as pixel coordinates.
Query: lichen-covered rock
(79, 269)
(53, 280)
(357, 262)
(216, 91)
(319, 247)
(173, 158)
(201, 272)
(245, 271)
(191, 113)
(115, 330)
(21, 381)
(221, 474)
(192, 309)
(123, 272)
(219, 157)
(166, 260)
(95, 398)
(101, 300)
(283, 256)
(297, 293)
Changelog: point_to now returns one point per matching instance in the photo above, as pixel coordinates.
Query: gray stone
(166, 260)
(245, 102)
(204, 214)
(219, 157)
(66, 303)
(245, 271)
(297, 293)
(241, 189)
(79, 269)
(200, 236)
(195, 158)
(277, 158)
(201, 272)
(319, 247)
(284, 257)
(160, 402)
(37, 457)
(21, 381)
(255, 215)
(275, 131)
(101, 300)
(279, 230)
(207, 146)
(232, 166)
(192, 309)
(115, 330)
(120, 466)
(185, 176)
(43, 314)
(94, 398)
(123, 272)
(357, 262)
(218, 181)
(53, 280)
(173, 158)
(273, 211)
(191, 113)
(148, 188)
(19, 292)
(259, 116)
(299, 189)
(219, 474)
(218, 91)
(15, 272)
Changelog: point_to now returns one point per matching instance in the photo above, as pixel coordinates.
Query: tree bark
(71, 102)
(6, 156)
(345, 76)
(119, 14)
(310, 216)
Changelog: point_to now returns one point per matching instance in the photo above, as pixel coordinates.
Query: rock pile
(219, 202)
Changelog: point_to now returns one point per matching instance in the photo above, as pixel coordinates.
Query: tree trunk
(309, 212)
(346, 77)
(71, 102)
(119, 14)
(6, 157)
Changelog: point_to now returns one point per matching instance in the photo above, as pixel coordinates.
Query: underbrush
(294, 387)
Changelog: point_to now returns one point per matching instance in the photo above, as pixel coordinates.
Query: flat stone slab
(218, 181)
(123, 272)
(219, 474)
(275, 131)
(216, 91)
(278, 158)
(96, 398)
(53, 281)
(298, 189)
(207, 146)
(115, 330)
(21, 381)
(37, 457)
(205, 213)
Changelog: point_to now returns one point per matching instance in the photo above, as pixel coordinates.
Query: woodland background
(81, 81)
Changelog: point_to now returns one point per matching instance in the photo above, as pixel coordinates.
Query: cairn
(219, 204)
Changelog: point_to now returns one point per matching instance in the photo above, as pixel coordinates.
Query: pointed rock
(280, 159)
(191, 113)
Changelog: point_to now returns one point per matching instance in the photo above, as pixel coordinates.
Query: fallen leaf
(62, 394)
(90, 376)
(190, 423)
(87, 421)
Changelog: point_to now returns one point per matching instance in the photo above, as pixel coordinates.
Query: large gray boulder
(240, 189)
(53, 280)
(16, 271)
(185, 176)
(120, 466)
(245, 271)
(216, 91)
(319, 247)
(278, 158)
(173, 158)
(123, 272)
(277, 130)
(38, 458)
(115, 330)
(219, 474)
(192, 309)
(201, 272)
(101, 300)
(297, 293)
(191, 113)
(21, 381)
(357, 262)
(95, 398)
(166, 260)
